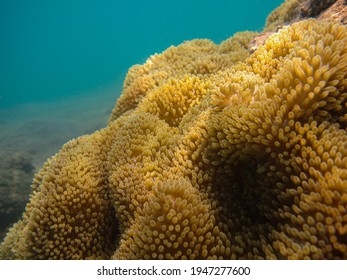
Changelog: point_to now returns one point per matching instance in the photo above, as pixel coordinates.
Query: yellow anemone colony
(210, 153)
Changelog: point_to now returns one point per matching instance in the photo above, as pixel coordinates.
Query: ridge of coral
(210, 153)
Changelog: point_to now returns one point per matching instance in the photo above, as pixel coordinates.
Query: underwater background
(62, 66)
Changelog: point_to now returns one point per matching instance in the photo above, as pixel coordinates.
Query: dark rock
(16, 173)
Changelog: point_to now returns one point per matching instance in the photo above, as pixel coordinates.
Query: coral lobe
(210, 153)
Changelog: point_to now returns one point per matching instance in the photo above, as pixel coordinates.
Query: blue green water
(53, 49)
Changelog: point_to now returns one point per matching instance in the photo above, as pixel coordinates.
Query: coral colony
(210, 153)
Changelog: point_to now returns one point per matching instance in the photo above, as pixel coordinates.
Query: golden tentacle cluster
(210, 153)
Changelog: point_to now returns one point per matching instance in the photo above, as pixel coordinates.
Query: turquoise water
(52, 49)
